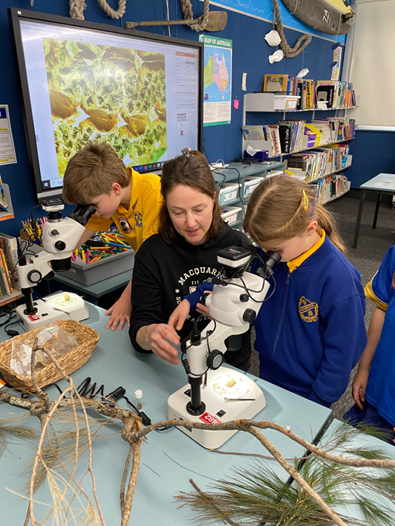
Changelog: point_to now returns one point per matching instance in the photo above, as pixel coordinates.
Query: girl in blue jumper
(310, 333)
(373, 388)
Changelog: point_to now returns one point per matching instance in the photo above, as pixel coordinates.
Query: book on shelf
(337, 93)
(275, 83)
(5, 279)
(275, 137)
(291, 138)
(312, 131)
(325, 127)
(308, 94)
(284, 130)
(10, 247)
(2, 291)
(326, 93)
(312, 163)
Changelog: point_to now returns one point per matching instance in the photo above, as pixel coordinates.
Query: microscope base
(222, 383)
(62, 306)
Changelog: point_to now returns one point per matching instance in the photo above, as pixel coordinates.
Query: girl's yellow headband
(306, 204)
(305, 201)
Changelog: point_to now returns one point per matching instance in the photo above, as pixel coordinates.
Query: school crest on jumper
(138, 217)
(124, 224)
(308, 310)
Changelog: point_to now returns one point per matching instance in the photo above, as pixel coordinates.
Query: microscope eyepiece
(82, 213)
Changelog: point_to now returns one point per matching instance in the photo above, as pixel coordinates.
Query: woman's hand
(359, 386)
(179, 315)
(202, 309)
(158, 338)
(119, 313)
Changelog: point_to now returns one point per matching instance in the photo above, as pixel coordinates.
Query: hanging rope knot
(186, 8)
(110, 12)
(301, 43)
(77, 9)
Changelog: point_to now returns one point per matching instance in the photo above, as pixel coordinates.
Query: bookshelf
(266, 103)
(9, 213)
(4, 215)
(9, 299)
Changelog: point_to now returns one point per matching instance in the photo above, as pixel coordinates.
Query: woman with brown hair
(172, 263)
(311, 331)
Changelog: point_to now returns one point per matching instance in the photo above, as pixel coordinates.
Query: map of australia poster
(217, 80)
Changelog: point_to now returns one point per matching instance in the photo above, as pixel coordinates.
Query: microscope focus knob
(34, 276)
(244, 298)
(215, 359)
(60, 245)
(249, 315)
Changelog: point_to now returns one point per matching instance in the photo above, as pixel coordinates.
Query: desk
(381, 184)
(99, 289)
(168, 459)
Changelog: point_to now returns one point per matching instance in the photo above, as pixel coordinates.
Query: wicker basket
(87, 339)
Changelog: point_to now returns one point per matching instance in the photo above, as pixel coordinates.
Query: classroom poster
(217, 89)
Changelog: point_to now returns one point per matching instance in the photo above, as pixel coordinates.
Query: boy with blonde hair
(120, 195)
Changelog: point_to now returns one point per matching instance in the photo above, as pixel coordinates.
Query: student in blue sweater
(310, 333)
(373, 388)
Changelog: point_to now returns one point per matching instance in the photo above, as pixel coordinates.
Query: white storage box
(250, 184)
(285, 102)
(231, 214)
(228, 192)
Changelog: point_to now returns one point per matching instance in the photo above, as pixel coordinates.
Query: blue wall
(373, 153)
(250, 55)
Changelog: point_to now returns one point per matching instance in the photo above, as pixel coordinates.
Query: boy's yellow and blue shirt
(140, 221)
(380, 391)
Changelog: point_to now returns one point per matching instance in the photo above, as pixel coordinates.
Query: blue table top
(382, 182)
(168, 459)
(101, 287)
(359, 440)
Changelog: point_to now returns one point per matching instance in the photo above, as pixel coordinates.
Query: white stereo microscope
(233, 306)
(59, 239)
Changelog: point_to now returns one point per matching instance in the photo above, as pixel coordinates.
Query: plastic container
(250, 184)
(231, 214)
(229, 192)
(138, 396)
(91, 273)
(286, 102)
